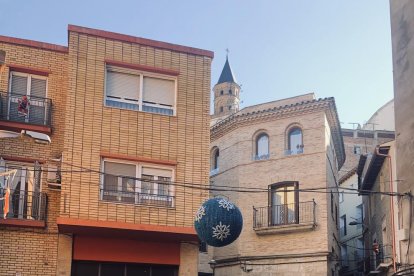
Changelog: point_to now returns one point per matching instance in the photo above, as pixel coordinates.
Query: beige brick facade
(24, 250)
(85, 131)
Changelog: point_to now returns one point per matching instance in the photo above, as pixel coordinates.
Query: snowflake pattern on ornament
(225, 204)
(200, 213)
(221, 231)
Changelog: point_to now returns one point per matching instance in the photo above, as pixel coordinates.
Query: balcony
(36, 117)
(261, 157)
(297, 151)
(26, 209)
(129, 207)
(381, 261)
(138, 198)
(285, 218)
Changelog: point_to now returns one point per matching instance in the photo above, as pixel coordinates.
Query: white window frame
(142, 74)
(29, 86)
(138, 184)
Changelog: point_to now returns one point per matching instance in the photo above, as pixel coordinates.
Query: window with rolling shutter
(34, 87)
(136, 90)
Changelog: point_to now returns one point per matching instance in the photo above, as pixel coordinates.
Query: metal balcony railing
(25, 205)
(151, 199)
(277, 215)
(131, 200)
(261, 157)
(37, 111)
(379, 260)
(294, 151)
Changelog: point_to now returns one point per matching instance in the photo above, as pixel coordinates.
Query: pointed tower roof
(226, 74)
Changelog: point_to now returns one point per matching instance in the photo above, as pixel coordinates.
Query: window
(221, 92)
(283, 203)
(230, 92)
(295, 144)
(27, 102)
(229, 107)
(262, 147)
(135, 90)
(336, 216)
(342, 226)
(137, 183)
(359, 215)
(341, 197)
(357, 150)
(344, 255)
(89, 268)
(215, 161)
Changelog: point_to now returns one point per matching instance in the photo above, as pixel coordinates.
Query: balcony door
(24, 191)
(27, 98)
(283, 204)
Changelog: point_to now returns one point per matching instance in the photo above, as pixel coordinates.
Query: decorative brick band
(34, 44)
(138, 159)
(28, 70)
(142, 41)
(142, 67)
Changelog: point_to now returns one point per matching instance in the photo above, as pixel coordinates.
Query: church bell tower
(226, 93)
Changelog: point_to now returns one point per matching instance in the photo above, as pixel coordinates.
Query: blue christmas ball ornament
(218, 222)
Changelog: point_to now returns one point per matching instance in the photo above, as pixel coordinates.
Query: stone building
(111, 124)
(402, 33)
(376, 175)
(359, 141)
(280, 148)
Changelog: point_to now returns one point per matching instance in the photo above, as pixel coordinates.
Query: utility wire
(222, 188)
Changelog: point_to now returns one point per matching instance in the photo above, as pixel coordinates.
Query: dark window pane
(112, 269)
(164, 271)
(138, 270)
(85, 269)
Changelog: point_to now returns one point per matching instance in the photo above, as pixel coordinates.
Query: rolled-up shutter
(122, 85)
(38, 88)
(19, 85)
(156, 172)
(159, 91)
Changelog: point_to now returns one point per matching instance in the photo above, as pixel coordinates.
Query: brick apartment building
(280, 147)
(113, 124)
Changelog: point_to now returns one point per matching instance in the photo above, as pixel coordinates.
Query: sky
(278, 48)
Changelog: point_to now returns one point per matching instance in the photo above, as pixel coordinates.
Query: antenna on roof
(227, 53)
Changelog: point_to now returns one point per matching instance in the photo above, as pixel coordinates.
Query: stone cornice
(306, 107)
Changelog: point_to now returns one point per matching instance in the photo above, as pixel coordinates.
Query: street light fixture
(212, 264)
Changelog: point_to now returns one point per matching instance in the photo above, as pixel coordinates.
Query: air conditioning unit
(54, 177)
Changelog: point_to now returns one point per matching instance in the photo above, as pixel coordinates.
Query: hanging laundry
(6, 202)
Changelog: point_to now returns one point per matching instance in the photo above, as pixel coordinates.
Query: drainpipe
(394, 255)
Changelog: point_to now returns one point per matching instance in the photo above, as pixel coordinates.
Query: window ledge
(288, 228)
(23, 223)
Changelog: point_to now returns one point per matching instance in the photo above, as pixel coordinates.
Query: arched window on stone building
(215, 160)
(294, 141)
(262, 147)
